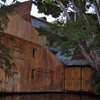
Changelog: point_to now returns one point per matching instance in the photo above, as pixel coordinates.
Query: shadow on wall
(12, 84)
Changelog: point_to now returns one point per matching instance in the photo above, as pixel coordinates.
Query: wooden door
(68, 78)
(76, 79)
(72, 78)
(86, 72)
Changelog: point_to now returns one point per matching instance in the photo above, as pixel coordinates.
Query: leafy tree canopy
(69, 35)
(51, 7)
(82, 34)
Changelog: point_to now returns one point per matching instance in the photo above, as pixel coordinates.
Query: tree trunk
(92, 57)
(97, 9)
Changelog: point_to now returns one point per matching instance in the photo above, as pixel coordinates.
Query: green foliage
(70, 34)
(48, 8)
(12, 74)
(4, 50)
(47, 1)
(95, 80)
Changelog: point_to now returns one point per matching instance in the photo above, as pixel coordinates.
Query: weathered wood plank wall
(23, 29)
(38, 69)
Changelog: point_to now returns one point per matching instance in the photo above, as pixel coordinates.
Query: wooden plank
(76, 78)
(72, 78)
(68, 78)
(86, 71)
(23, 29)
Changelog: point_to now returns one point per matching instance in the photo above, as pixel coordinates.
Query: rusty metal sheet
(78, 62)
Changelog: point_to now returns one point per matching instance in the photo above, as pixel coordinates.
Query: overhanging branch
(50, 33)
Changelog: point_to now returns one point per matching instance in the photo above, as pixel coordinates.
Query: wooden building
(38, 69)
(77, 70)
(77, 74)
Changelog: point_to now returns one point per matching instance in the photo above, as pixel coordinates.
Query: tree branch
(87, 56)
(76, 9)
(55, 4)
(50, 33)
(64, 9)
(97, 11)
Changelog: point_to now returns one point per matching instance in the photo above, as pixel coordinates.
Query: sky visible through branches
(35, 13)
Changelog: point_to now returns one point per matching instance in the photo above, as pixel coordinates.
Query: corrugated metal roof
(37, 23)
(78, 62)
(66, 60)
(62, 58)
(56, 49)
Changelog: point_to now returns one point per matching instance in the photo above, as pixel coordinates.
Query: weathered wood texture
(38, 69)
(86, 72)
(23, 29)
(77, 78)
(23, 9)
(72, 78)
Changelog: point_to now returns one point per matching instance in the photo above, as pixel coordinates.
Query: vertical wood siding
(47, 68)
(77, 78)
